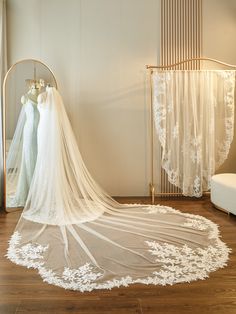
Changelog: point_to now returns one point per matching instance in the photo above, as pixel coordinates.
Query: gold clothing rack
(189, 60)
(162, 67)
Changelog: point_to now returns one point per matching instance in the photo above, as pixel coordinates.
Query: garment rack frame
(150, 68)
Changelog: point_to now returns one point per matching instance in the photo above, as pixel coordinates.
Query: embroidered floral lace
(194, 118)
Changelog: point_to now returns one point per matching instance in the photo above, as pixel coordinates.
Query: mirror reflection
(24, 82)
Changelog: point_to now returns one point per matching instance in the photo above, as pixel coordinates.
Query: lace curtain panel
(194, 121)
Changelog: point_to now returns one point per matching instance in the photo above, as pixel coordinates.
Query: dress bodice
(31, 111)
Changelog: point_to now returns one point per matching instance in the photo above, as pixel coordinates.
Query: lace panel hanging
(194, 120)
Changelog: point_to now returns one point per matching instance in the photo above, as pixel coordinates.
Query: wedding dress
(79, 238)
(22, 155)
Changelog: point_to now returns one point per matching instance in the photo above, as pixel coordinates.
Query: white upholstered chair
(223, 192)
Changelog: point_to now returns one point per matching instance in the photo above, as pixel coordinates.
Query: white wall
(98, 50)
(219, 31)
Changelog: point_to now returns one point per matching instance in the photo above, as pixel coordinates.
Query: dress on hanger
(79, 238)
(19, 180)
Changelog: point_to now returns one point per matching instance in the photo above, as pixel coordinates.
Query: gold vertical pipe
(167, 32)
(200, 31)
(193, 17)
(187, 31)
(163, 31)
(199, 34)
(162, 21)
(182, 31)
(195, 31)
(160, 32)
(173, 30)
(4, 145)
(192, 51)
(178, 34)
(189, 34)
(152, 191)
(184, 28)
(165, 35)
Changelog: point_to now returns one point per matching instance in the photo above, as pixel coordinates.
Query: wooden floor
(22, 290)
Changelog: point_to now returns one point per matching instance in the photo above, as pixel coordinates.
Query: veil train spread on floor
(79, 238)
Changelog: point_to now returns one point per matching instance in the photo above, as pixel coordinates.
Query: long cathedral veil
(79, 238)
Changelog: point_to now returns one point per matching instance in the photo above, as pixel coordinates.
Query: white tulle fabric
(194, 118)
(79, 238)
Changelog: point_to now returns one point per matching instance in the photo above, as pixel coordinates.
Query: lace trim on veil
(178, 263)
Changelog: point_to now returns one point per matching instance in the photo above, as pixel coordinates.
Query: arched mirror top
(34, 69)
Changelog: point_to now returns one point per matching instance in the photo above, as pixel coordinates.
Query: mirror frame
(4, 120)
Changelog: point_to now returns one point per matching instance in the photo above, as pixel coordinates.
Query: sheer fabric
(79, 238)
(194, 119)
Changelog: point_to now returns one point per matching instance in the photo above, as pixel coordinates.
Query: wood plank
(101, 306)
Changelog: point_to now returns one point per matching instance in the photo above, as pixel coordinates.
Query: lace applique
(154, 209)
(197, 188)
(26, 255)
(180, 264)
(175, 131)
(81, 276)
(208, 224)
(195, 224)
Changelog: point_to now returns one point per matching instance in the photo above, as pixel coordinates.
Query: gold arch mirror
(23, 82)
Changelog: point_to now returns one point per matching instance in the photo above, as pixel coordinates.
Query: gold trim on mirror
(4, 117)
